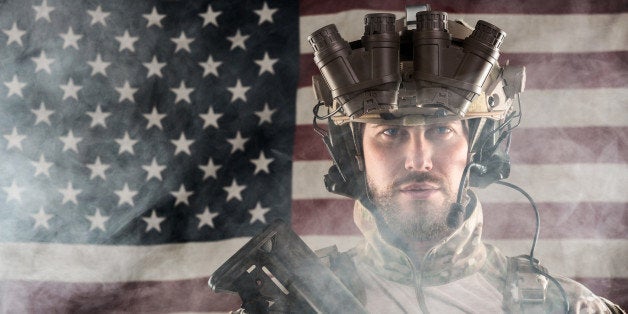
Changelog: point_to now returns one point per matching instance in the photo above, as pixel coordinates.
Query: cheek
(379, 163)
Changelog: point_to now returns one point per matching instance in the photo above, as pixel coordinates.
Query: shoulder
(581, 299)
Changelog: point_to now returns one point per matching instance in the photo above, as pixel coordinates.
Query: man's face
(413, 174)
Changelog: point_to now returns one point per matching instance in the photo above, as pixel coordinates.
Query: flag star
(126, 92)
(42, 63)
(257, 213)
(261, 163)
(41, 219)
(210, 118)
(15, 139)
(42, 166)
(15, 34)
(209, 169)
(154, 170)
(182, 145)
(238, 91)
(154, 18)
(43, 11)
(70, 90)
(41, 114)
(98, 169)
(182, 195)
(266, 64)
(265, 14)
(154, 119)
(237, 143)
(210, 66)
(70, 142)
(153, 222)
(209, 17)
(183, 42)
(206, 218)
(154, 67)
(183, 93)
(98, 66)
(98, 16)
(69, 194)
(126, 41)
(13, 192)
(234, 191)
(70, 39)
(126, 195)
(265, 115)
(15, 87)
(126, 144)
(98, 117)
(97, 220)
(238, 40)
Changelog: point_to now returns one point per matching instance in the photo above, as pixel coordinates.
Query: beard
(419, 220)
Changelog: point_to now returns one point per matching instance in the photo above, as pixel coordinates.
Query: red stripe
(558, 220)
(311, 7)
(529, 146)
(543, 70)
(614, 289)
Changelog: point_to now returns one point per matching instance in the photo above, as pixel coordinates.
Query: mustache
(419, 177)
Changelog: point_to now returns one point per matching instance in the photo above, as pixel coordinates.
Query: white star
(41, 114)
(153, 222)
(183, 42)
(15, 87)
(42, 63)
(261, 163)
(126, 144)
(234, 191)
(238, 40)
(42, 167)
(126, 195)
(182, 145)
(70, 142)
(15, 139)
(70, 90)
(98, 117)
(69, 194)
(154, 119)
(126, 41)
(206, 218)
(98, 66)
(43, 11)
(98, 16)
(126, 92)
(257, 213)
(70, 39)
(15, 34)
(154, 170)
(209, 17)
(13, 192)
(210, 118)
(154, 18)
(154, 67)
(209, 169)
(238, 91)
(237, 143)
(97, 220)
(41, 219)
(265, 115)
(183, 93)
(210, 66)
(98, 169)
(265, 14)
(266, 64)
(182, 195)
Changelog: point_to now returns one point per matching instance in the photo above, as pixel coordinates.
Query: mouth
(419, 190)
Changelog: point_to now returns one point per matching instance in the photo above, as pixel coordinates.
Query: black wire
(316, 108)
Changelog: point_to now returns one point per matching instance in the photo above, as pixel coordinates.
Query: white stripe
(541, 108)
(87, 263)
(564, 33)
(570, 183)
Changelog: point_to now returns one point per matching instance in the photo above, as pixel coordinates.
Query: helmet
(419, 70)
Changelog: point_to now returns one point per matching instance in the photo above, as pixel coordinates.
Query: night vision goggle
(404, 75)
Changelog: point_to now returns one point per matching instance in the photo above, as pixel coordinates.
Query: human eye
(391, 132)
(440, 131)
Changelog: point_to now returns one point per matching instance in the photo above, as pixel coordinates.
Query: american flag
(144, 142)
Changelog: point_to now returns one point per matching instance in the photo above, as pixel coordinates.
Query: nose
(418, 153)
